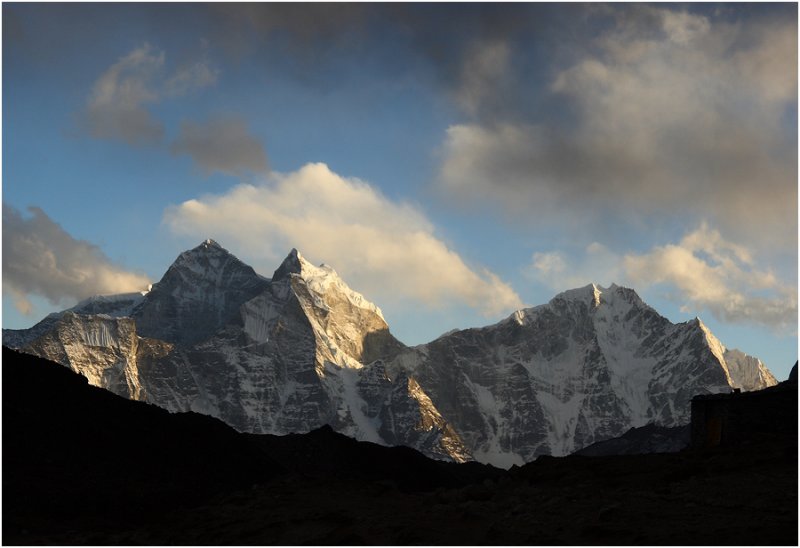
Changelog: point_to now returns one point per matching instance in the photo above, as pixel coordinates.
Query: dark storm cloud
(436, 43)
(221, 145)
(41, 258)
(241, 28)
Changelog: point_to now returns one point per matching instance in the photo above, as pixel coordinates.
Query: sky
(453, 163)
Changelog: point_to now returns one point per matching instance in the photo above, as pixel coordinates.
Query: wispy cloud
(221, 145)
(485, 69)
(385, 249)
(41, 258)
(190, 76)
(117, 106)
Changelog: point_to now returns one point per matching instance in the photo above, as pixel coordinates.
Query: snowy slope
(587, 366)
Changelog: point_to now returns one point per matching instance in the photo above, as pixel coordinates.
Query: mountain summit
(292, 264)
(302, 349)
(198, 295)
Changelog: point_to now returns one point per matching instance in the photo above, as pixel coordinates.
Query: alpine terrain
(301, 350)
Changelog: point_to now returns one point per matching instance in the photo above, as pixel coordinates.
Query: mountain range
(300, 350)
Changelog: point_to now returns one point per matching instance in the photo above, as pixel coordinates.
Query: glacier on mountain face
(301, 349)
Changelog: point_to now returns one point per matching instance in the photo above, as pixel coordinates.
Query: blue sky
(453, 163)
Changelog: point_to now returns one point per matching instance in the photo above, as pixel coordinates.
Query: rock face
(200, 294)
(746, 372)
(301, 350)
(586, 367)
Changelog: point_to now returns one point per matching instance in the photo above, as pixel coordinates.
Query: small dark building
(741, 417)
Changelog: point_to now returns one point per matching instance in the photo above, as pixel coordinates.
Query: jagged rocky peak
(296, 263)
(209, 262)
(200, 293)
(625, 294)
(614, 300)
(209, 254)
(713, 342)
(292, 264)
(596, 295)
(589, 294)
(322, 280)
(206, 247)
(747, 372)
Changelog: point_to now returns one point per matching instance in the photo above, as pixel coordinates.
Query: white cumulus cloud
(710, 273)
(387, 250)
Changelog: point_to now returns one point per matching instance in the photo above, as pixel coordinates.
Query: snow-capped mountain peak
(206, 257)
(747, 372)
(589, 294)
(617, 298)
(322, 279)
(208, 262)
(741, 370)
(200, 293)
(292, 264)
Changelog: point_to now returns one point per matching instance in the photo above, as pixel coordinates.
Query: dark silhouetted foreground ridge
(83, 466)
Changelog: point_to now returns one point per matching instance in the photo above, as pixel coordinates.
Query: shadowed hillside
(82, 466)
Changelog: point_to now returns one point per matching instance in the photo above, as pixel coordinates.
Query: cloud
(196, 74)
(40, 258)
(240, 26)
(485, 69)
(385, 249)
(668, 112)
(221, 145)
(116, 108)
(425, 42)
(558, 272)
(702, 272)
(710, 273)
